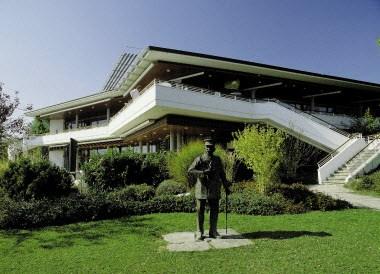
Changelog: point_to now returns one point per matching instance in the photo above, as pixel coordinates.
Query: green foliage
(39, 126)
(37, 154)
(368, 124)
(368, 183)
(170, 187)
(253, 203)
(39, 213)
(4, 164)
(141, 192)
(116, 170)
(178, 163)
(97, 206)
(25, 179)
(154, 168)
(297, 156)
(260, 148)
(300, 195)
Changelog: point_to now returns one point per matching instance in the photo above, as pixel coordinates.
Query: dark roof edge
(226, 59)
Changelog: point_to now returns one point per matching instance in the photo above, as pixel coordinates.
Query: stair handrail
(313, 117)
(235, 97)
(331, 155)
(368, 138)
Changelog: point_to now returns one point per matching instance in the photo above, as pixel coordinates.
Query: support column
(147, 147)
(172, 140)
(253, 94)
(312, 103)
(108, 114)
(140, 147)
(77, 120)
(179, 140)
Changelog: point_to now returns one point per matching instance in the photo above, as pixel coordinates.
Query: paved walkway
(185, 241)
(340, 192)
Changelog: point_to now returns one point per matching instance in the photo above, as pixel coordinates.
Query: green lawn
(318, 242)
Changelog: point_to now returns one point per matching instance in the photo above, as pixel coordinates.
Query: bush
(248, 202)
(116, 170)
(170, 187)
(25, 179)
(3, 167)
(300, 195)
(370, 182)
(96, 206)
(154, 168)
(141, 192)
(179, 163)
(75, 208)
(261, 149)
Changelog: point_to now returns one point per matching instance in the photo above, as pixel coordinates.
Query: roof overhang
(152, 55)
(74, 104)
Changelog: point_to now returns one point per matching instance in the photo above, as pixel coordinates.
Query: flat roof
(152, 54)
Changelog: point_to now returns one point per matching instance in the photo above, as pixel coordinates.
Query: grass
(359, 187)
(317, 242)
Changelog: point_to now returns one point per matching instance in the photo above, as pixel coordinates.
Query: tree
(296, 154)
(39, 126)
(367, 124)
(9, 125)
(260, 148)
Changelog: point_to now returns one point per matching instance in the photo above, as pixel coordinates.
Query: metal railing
(190, 88)
(331, 155)
(234, 97)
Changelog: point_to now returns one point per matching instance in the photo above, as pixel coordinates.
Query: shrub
(260, 148)
(25, 179)
(75, 208)
(244, 186)
(300, 195)
(170, 187)
(97, 206)
(179, 163)
(248, 202)
(370, 182)
(3, 167)
(141, 192)
(116, 170)
(154, 168)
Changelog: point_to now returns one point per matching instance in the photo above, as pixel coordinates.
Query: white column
(77, 120)
(172, 140)
(108, 114)
(253, 94)
(179, 140)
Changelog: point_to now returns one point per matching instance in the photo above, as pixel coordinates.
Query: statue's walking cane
(226, 210)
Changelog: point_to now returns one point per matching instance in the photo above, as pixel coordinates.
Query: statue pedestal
(185, 241)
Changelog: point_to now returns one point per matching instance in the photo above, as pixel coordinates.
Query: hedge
(76, 208)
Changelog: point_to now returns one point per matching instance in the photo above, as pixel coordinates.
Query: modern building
(162, 98)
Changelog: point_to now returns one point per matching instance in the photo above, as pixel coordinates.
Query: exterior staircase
(363, 161)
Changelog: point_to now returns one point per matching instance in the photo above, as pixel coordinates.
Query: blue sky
(52, 51)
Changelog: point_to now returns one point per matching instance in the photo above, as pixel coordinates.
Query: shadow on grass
(283, 235)
(92, 233)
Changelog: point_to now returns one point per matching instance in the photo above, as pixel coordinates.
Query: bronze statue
(210, 174)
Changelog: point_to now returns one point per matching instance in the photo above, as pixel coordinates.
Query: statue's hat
(209, 142)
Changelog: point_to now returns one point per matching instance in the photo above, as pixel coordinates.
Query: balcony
(161, 98)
